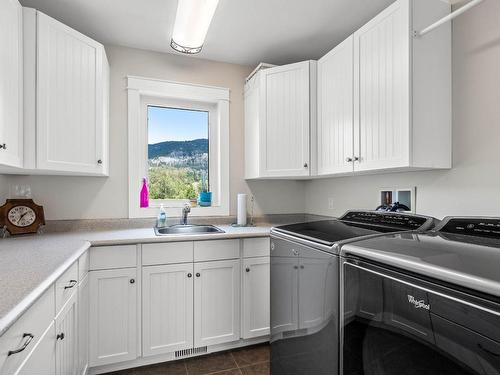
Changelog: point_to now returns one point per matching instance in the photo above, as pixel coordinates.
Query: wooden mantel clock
(21, 216)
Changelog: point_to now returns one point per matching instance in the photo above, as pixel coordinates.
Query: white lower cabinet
(42, 360)
(217, 302)
(167, 300)
(83, 326)
(256, 298)
(67, 338)
(113, 316)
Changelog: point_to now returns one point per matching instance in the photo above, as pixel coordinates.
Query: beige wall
(472, 187)
(84, 197)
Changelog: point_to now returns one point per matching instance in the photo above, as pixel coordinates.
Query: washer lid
(355, 224)
(465, 260)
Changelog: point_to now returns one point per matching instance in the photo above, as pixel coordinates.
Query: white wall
(91, 197)
(472, 187)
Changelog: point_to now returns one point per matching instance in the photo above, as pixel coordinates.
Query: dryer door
(394, 324)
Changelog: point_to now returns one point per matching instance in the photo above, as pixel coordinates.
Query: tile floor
(252, 360)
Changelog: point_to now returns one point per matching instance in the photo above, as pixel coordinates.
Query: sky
(171, 124)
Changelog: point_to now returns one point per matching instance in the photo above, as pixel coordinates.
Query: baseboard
(145, 361)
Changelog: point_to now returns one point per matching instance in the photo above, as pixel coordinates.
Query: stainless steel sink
(188, 229)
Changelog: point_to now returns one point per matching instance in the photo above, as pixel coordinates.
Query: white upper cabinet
(402, 89)
(66, 100)
(335, 110)
(280, 121)
(11, 84)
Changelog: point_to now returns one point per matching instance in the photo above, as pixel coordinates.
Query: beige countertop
(30, 264)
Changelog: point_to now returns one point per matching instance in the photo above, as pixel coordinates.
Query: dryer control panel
(473, 226)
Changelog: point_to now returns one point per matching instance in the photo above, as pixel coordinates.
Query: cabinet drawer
(109, 257)
(26, 332)
(216, 250)
(256, 247)
(167, 253)
(66, 285)
(83, 265)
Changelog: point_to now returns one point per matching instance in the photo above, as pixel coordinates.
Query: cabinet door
(42, 361)
(284, 294)
(70, 99)
(312, 291)
(382, 90)
(256, 297)
(83, 325)
(11, 83)
(217, 302)
(66, 338)
(167, 299)
(285, 120)
(113, 316)
(335, 110)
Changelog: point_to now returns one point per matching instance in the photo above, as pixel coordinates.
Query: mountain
(178, 149)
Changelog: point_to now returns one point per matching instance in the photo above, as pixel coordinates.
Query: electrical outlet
(330, 203)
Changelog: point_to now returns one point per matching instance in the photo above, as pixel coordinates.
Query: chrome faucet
(185, 211)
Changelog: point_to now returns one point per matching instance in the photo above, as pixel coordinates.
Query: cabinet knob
(60, 336)
(99, 161)
(306, 165)
(349, 160)
(198, 274)
(356, 158)
(4, 146)
(247, 269)
(301, 267)
(295, 267)
(132, 281)
(190, 274)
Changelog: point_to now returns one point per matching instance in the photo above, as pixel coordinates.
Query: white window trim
(141, 90)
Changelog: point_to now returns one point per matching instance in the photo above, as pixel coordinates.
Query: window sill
(152, 212)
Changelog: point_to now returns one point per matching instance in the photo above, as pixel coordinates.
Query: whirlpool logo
(418, 304)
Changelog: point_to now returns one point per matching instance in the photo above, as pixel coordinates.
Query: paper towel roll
(242, 209)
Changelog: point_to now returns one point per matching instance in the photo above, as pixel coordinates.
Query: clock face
(21, 216)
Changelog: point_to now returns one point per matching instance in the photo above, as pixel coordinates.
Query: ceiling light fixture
(191, 24)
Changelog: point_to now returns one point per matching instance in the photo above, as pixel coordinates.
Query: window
(178, 149)
(178, 139)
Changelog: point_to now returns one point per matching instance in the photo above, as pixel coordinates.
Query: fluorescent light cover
(191, 24)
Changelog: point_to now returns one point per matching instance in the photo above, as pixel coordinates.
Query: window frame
(144, 92)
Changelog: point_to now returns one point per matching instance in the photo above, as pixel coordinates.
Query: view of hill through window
(178, 147)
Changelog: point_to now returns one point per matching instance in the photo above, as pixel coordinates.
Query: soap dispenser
(161, 220)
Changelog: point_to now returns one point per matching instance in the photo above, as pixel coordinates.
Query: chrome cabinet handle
(190, 274)
(349, 160)
(4, 146)
(295, 267)
(99, 161)
(25, 345)
(301, 267)
(356, 158)
(295, 252)
(72, 283)
(60, 336)
(198, 274)
(247, 269)
(132, 281)
(306, 165)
